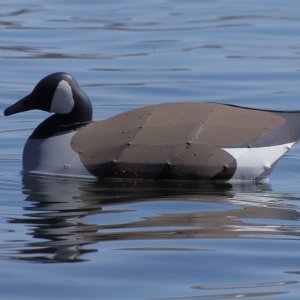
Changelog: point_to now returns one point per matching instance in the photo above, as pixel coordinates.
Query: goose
(184, 140)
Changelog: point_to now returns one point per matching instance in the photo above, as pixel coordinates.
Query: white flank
(62, 100)
(256, 163)
(53, 156)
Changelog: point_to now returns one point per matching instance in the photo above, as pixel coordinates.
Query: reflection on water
(239, 294)
(149, 240)
(66, 217)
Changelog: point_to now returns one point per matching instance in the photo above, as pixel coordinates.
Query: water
(81, 239)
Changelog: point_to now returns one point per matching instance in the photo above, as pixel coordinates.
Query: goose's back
(172, 140)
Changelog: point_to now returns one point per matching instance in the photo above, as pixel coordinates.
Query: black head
(60, 94)
(57, 93)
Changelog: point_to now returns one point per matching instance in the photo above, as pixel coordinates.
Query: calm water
(80, 239)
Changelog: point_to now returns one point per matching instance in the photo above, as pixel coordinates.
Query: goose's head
(57, 93)
(60, 94)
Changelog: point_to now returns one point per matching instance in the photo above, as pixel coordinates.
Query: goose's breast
(53, 156)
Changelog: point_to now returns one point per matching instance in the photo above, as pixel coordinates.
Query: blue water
(80, 239)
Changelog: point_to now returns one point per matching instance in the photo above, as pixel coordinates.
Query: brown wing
(175, 140)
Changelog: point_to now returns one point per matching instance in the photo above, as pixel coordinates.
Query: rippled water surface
(81, 239)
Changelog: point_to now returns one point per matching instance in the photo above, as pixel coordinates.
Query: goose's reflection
(58, 214)
(53, 211)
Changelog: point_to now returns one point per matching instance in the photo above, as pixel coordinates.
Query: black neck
(58, 124)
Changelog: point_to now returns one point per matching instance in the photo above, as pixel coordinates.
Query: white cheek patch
(62, 100)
